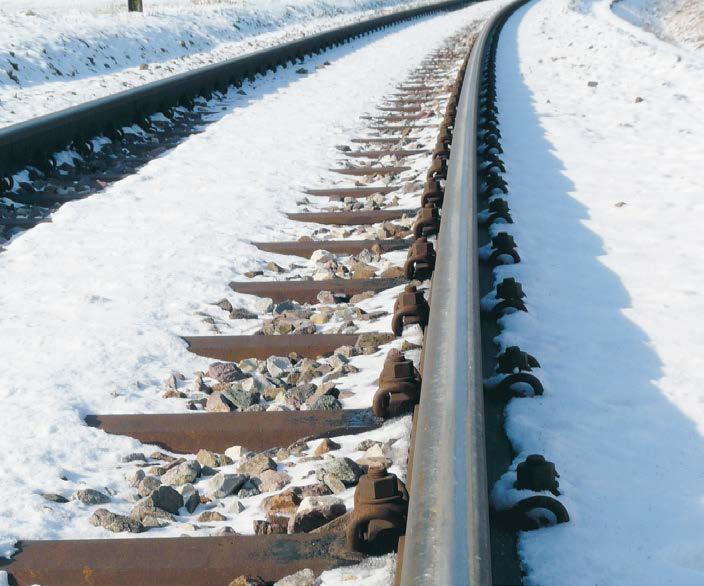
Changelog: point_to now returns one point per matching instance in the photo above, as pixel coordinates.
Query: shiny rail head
(447, 536)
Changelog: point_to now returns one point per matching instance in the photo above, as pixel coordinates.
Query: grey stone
(181, 474)
(225, 372)
(224, 304)
(282, 504)
(134, 457)
(191, 497)
(318, 489)
(235, 506)
(339, 473)
(147, 485)
(208, 458)
(255, 465)
(153, 522)
(167, 499)
(163, 456)
(199, 385)
(338, 360)
(286, 305)
(321, 256)
(241, 398)
(114, 522)
(241, 313)
(222, 485)
(89, 496)
(326, 403)
(135, 477)
(259, 382)
(271, 480)
(366, 444)
(278, 366)
(210, 516)
(145, 508)
(217, 403)
(299, 394)
(325, 446)
(314, 512)
(347, 351)
(369, 342)
(227, 530)
(54, 498)
(248, 489)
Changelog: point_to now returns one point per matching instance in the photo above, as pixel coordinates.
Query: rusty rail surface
(447, 536)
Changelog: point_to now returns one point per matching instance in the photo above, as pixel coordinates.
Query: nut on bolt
(427, 221)
(510, 296)
(380, 511)
(399, 385)
(537, 474)
(410, 308)
(498, 209)
(420, 261)
(432, 193)
(513, 358)
(503, 244)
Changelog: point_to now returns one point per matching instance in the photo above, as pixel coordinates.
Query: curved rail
(447, 536)
(33, 141)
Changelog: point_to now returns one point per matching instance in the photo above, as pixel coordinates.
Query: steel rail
(447, 535)
(32, 142)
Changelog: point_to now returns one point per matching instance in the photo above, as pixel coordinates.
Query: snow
(680, 21)
(372, 572)
(93, 305)
(55, 54)
(606, 198)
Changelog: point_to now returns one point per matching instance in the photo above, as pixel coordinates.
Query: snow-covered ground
(602, 127)
(58, 53)
(92, 306)
(679, 21)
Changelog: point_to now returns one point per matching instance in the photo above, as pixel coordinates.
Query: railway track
(69, 155)
(273, 400)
